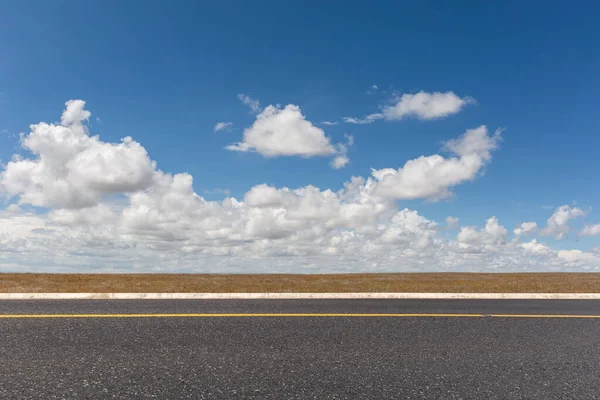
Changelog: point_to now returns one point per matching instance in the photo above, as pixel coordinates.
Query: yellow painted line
(23, 316)
(6, 316)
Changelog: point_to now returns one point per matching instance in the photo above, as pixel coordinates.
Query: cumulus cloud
(74, 113)
(535, 248)
(407, 226)
(131, 216)
(452, 222)
(223, 126)
(72, 169)
(492, 234)
(526, 228)
(426, 106)
(558, 224)
(573, 256)
(432, 176)
(421, 105)
(590, 230)
(286, 132)
(250, 102)
(342, 159)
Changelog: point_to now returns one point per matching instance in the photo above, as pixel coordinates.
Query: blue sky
(165, 74)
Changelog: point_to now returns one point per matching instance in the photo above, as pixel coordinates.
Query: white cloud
(250, 102)
(340, 161)
(432, 176)
(72, 169)
(223, 126)
(349, 139)
(286, 132)
(374, 87)
(408, 227)
(329, 123)
(127, 223)
(75, 113)
(590, 230)
(421, 105)
(361, 121)
(535, 248)
(526, 228)
(452, 222)
(426, 106)
(492, 234)
(558, 224)
(572, 256)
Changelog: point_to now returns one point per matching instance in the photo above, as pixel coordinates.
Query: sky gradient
(305, 137)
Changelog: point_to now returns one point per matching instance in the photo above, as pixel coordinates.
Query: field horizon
(450, 282)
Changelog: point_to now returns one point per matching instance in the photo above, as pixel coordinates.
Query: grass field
(216, 283)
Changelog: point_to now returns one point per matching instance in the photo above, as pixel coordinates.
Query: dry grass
(215, 283)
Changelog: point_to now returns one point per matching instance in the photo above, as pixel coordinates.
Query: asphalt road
(317, 357)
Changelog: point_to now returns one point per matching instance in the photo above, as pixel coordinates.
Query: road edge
(291, 296)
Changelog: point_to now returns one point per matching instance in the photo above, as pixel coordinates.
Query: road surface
(421, 349)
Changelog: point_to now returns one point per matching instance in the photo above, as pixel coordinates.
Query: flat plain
(302, 283)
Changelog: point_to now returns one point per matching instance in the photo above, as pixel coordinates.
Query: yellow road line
(226, 315)
(23, 316)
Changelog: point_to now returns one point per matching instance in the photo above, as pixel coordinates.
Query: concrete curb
(275, 296)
